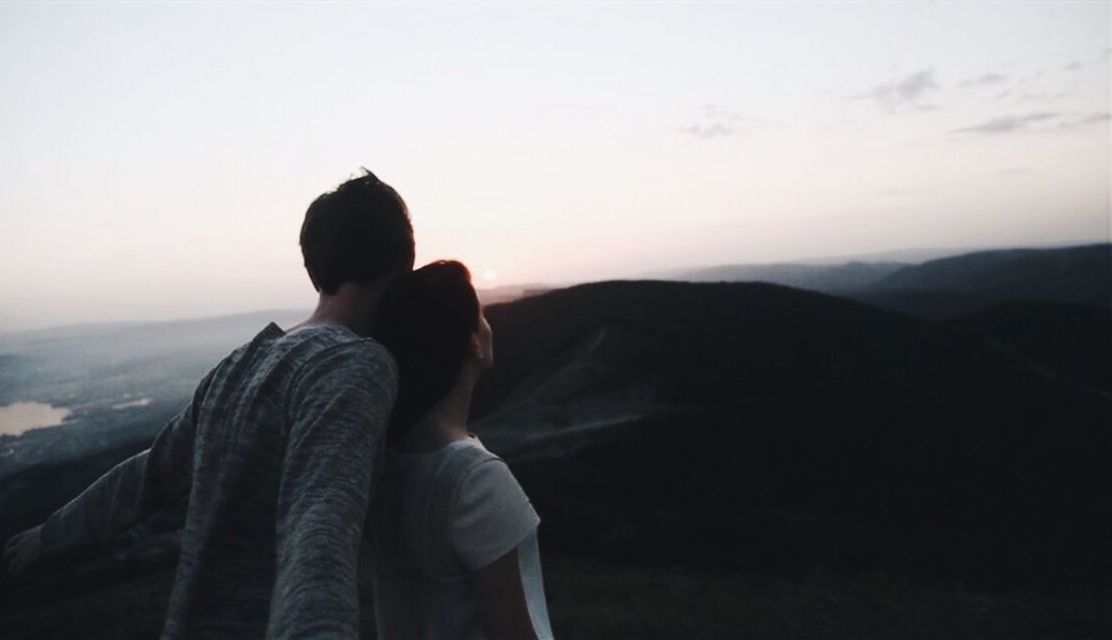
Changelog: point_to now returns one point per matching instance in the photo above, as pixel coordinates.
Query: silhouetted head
(359, 233)
(431, 321)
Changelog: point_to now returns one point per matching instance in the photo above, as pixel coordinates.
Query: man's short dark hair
(359, 232)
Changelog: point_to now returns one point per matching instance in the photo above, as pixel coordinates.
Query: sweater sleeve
(339, 408)
(131, 490)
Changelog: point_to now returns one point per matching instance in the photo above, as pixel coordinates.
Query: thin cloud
(986, 79)
(1073, 66)
(1042, 97)
(905, 94)
(1008, 124)
(722, 114)
(1086, 121)
(714, 130)
(718, 121)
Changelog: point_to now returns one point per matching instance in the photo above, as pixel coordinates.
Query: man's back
(279, 444)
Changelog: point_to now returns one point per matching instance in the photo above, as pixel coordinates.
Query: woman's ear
(475, 347)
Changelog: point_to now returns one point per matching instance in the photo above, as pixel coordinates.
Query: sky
(156, 159)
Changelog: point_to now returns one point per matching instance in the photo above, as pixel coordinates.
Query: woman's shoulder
(465, 474)
(463, 456)
(489, 512)
(473, 448)
(444, 469)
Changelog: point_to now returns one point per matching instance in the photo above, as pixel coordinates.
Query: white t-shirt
(437, 518)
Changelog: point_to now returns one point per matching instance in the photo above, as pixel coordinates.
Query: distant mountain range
(838, 278)
(950, 286)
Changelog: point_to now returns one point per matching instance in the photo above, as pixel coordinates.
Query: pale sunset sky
(156, 159)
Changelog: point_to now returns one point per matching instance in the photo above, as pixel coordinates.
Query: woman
(455, 536)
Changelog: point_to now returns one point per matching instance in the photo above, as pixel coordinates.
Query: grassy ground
(588, 599)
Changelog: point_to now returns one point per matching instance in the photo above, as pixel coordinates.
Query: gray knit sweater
(275, 453)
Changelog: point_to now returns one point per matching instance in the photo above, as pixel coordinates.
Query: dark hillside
(1072, 340)
(927, 305)
(787, 431)
(714, 332)
(594, 356)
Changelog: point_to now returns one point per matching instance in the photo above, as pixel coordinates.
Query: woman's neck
(446, 422)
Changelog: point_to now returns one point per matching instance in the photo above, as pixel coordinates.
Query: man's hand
(23, 550)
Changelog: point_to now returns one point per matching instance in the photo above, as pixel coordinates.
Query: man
(275, 451)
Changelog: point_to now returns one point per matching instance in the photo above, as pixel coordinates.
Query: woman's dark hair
(358, 233)
(426, 318)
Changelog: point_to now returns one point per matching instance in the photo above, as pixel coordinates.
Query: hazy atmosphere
(156, 160)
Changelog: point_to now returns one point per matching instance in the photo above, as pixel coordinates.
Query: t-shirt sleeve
(491, 515)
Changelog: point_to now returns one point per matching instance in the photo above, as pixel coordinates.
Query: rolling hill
(784, 430)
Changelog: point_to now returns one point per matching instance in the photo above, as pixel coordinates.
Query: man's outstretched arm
(339, 409)
(121, 497)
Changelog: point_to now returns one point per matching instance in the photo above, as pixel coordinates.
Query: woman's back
(438, 517)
